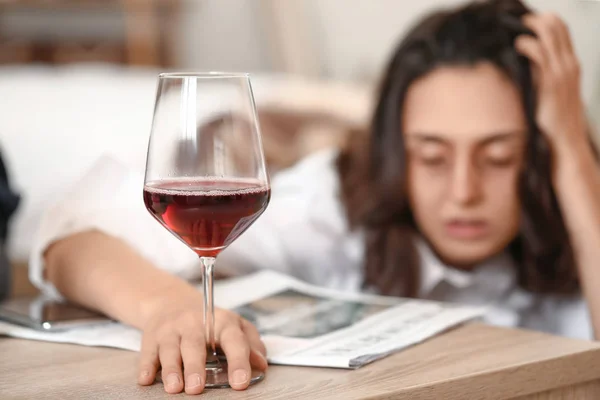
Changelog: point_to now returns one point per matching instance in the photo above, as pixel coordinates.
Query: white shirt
(302, 233)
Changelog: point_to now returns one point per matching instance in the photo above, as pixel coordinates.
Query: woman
(471, 187)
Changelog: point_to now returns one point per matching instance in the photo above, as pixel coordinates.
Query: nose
(466, 183)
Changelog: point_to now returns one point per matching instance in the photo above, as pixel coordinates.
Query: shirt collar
(434, 271)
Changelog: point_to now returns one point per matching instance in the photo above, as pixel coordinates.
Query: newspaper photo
(305, 325)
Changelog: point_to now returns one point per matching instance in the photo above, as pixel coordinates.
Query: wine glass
(206, 180)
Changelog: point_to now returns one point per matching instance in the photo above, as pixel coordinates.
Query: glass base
(220, 379)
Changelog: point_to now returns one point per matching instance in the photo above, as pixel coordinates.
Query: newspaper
(300, 324)
(309, 326)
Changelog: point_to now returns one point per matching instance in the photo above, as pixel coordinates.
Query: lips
(467, 228)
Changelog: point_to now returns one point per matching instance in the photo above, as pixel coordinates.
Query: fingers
(563, 35)
(236, 347)
(258, 350)
(547, 35)
(181, 352)
(532, 49)
(193, 354)
(170, 360)
(148, 362)
(554, 40)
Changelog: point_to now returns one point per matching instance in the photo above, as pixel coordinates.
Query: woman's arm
(104, 273)
(576, 174)
(577, 183)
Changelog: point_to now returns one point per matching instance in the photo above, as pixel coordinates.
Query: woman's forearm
(577, 182)
(105, 274)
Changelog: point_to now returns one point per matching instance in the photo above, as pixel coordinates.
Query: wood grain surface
(471, 362)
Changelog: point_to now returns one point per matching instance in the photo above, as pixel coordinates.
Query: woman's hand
(556, 72)
(561, 117)
(174, 339)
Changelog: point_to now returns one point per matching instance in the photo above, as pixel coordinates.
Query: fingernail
(239, 377)
(173, 380)
(193, 381)
(144, 374)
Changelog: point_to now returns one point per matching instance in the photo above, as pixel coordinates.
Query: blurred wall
(222, 35)
(356, 37)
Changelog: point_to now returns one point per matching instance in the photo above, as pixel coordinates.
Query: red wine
(206, 214)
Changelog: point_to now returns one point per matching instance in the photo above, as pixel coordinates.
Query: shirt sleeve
(567, 316)
(294, 235)
(300, 230)
(108, 198)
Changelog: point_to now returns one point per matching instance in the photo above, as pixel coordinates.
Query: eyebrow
(491, 138)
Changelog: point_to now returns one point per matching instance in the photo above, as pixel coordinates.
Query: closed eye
(500, 161)
(432, 161)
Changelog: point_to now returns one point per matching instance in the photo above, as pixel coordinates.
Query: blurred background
(77, 77)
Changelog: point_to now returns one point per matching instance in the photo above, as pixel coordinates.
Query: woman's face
(465, 133)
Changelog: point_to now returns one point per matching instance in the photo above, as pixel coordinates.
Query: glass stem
(212, 361)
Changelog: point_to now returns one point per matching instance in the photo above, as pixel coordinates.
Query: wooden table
(469, 363)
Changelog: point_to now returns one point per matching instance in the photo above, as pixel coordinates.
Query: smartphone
(46, 314)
